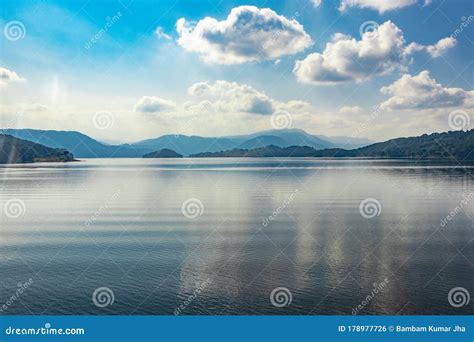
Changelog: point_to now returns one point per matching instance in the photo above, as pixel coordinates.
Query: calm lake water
(217, 236)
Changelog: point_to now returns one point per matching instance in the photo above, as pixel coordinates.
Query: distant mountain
(263, 141)
(268, 151)
(188, 145)
(347, 142)
(14, 150)
(457, 145)
(84, 146)
(293, 137)
(164, 153)
(81, 145)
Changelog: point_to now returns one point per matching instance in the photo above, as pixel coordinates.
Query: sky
(127, 70)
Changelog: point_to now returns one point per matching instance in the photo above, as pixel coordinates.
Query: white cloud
(249, 34)
(221, 101)
(316, 3)
(381, 6)
(422, 92)
(295, 107)
(435, 50)
(160, 33)
(380, 51)
(9, 76)
(350, 110)
(153, 104)
(346, 59)
(233, 97)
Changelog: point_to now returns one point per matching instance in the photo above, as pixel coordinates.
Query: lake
(236, 236)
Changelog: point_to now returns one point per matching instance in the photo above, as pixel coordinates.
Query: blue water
(260, 224)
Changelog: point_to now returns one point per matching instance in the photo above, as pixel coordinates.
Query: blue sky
(126, 62)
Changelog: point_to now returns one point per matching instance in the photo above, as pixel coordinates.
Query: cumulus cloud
(435, 50)
(218, 100)
(378, 52)
(350, 110)
(248, 34)
(295, 107)
(316, 3)
(153, 105)
(345, 58)
(422, 92)
(160, 33)
(9, 76)
(233, 97)
(381, 6)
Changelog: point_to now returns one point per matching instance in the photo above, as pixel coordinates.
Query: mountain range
(455, 145)
(83, 146)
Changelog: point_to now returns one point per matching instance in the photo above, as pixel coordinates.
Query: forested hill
(14, 150)
(455, 145)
